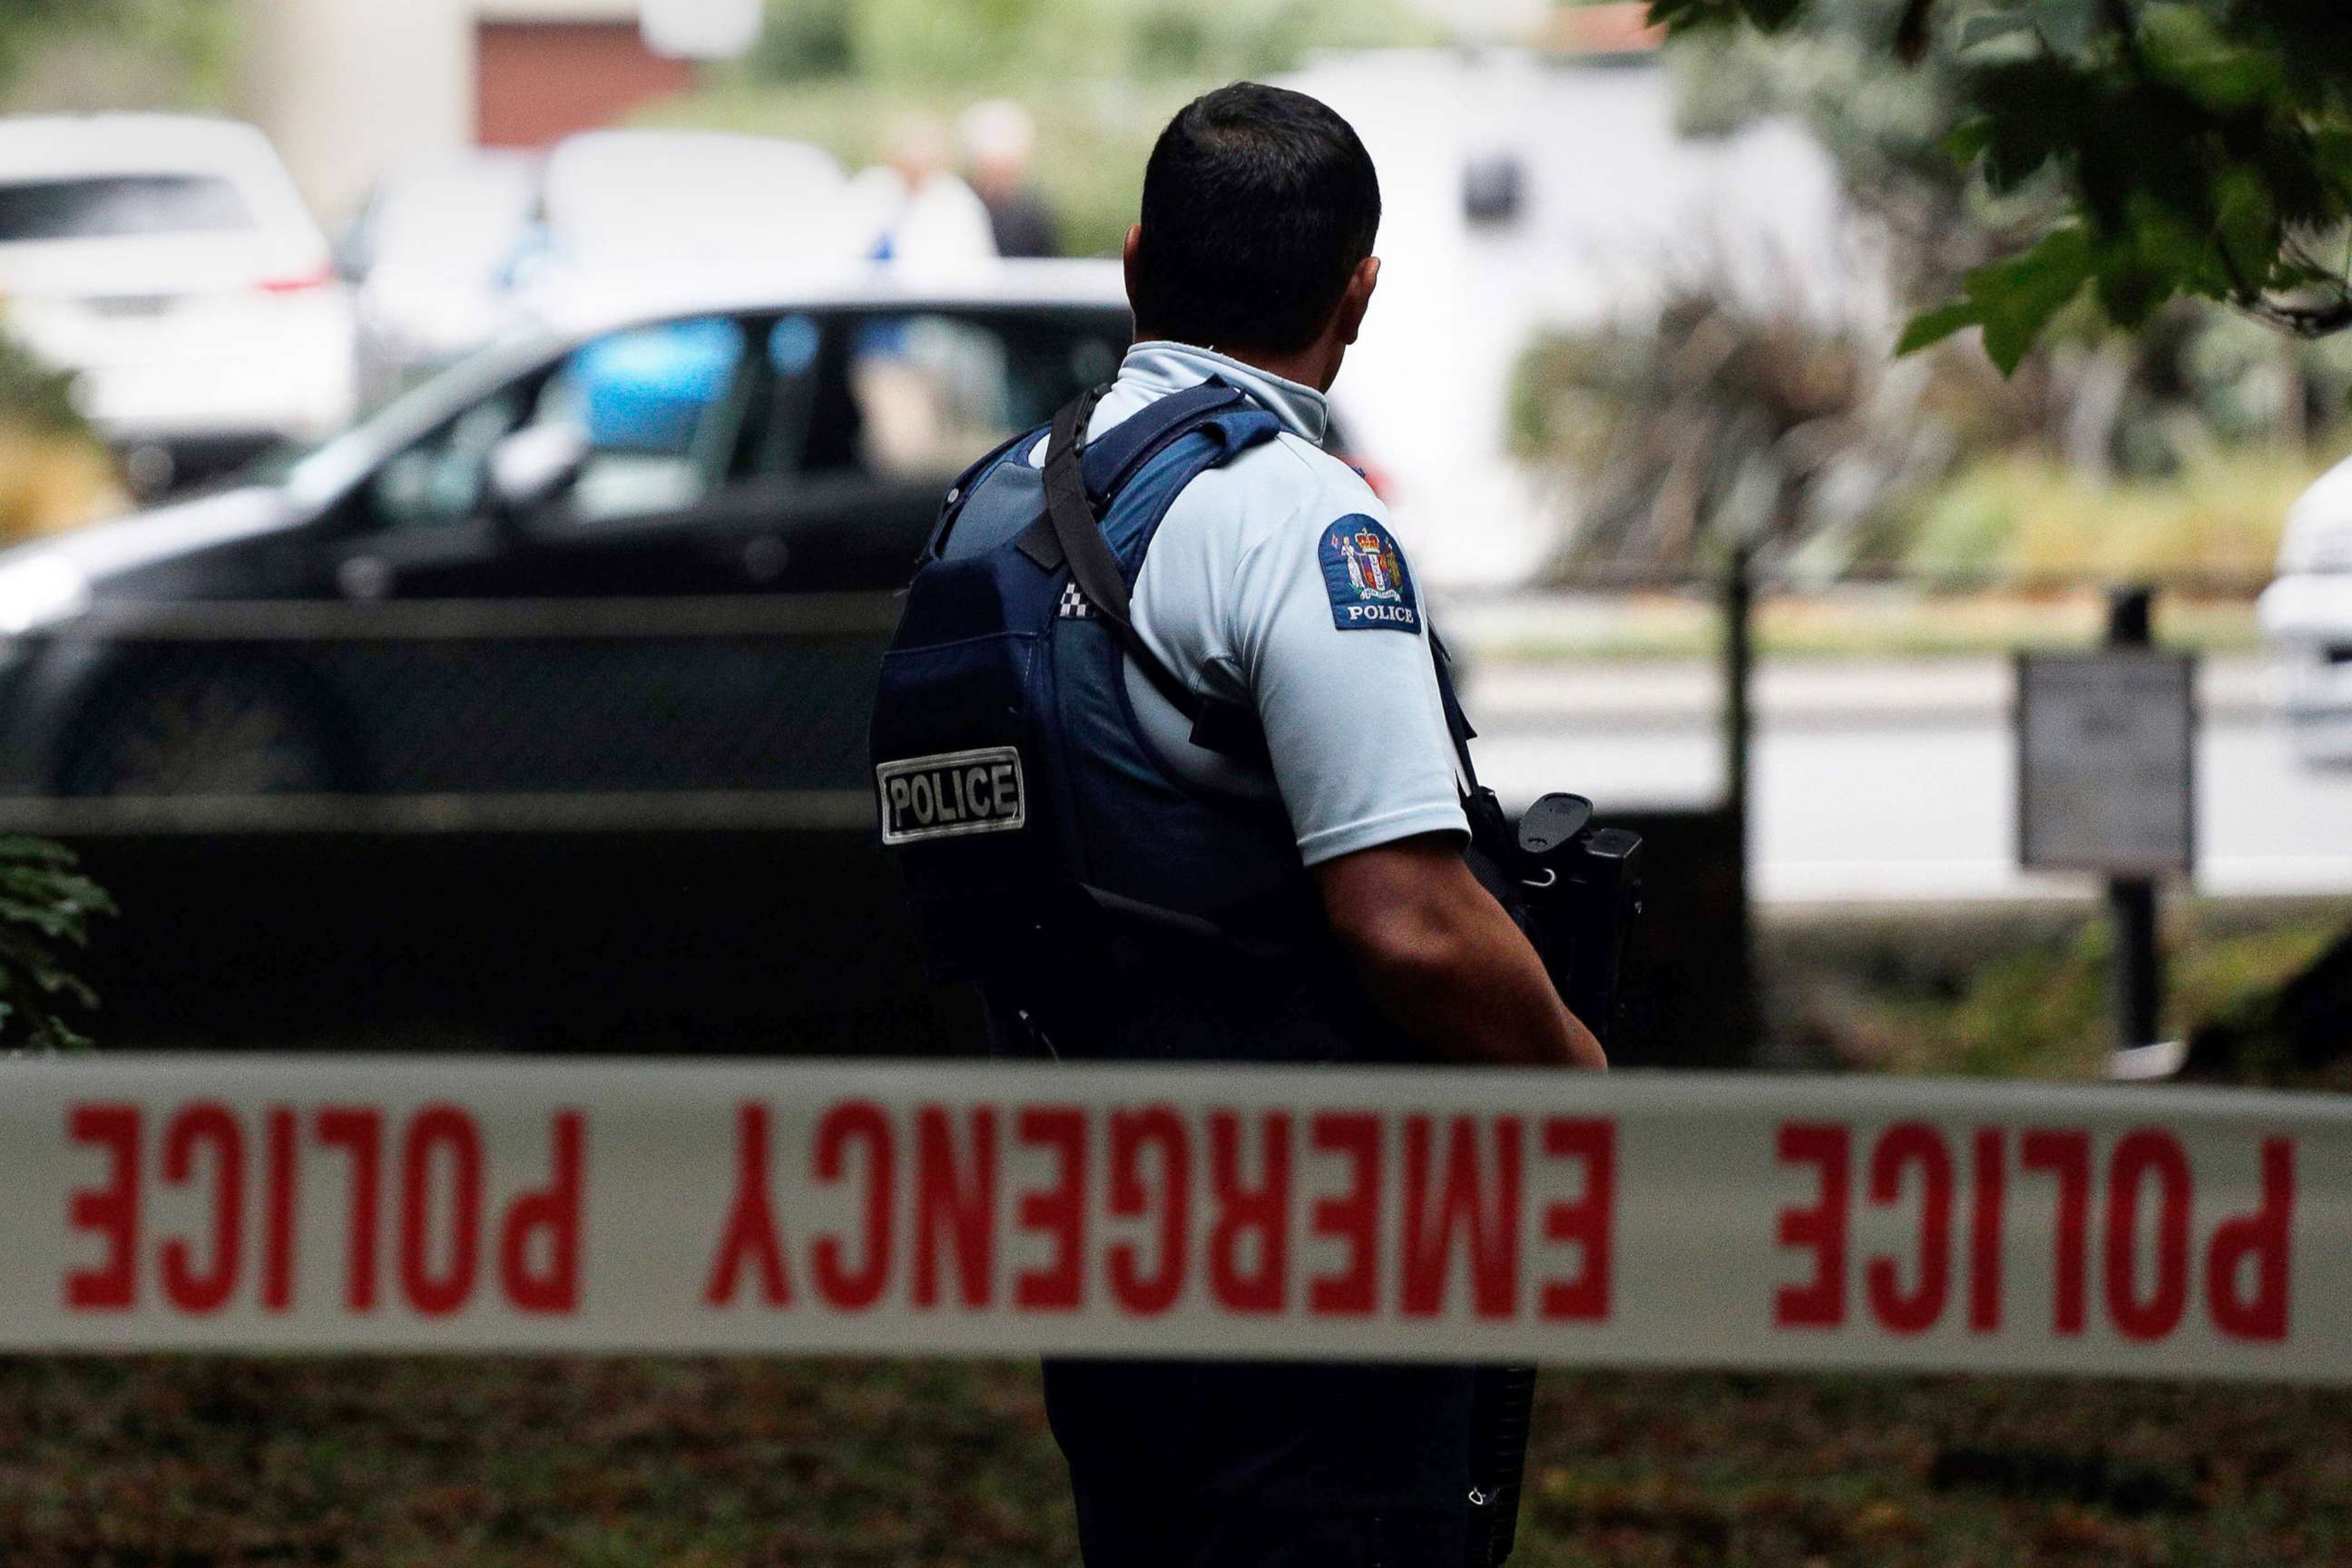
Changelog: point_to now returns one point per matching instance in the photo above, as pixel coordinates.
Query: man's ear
(1126, 256)
(1357, 299)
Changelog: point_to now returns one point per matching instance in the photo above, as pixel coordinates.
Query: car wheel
(229, 734)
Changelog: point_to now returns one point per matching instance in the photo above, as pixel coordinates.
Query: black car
(655, 556)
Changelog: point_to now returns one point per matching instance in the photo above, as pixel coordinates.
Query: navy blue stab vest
(1104, 908)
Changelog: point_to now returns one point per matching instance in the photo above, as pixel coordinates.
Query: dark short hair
(1258, 203)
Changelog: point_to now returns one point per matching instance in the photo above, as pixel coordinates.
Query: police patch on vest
(1365, 575)
(950, 794)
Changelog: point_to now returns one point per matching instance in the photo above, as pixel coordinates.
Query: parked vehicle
(168, 262)
(431, 254)
(2306, 616)
(628, 219)
(654, 554)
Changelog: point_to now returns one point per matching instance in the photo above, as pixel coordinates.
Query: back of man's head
(1258, 204)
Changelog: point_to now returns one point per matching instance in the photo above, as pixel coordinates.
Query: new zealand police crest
(1365, 575)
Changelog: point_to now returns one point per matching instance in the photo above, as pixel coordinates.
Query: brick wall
(537, 81)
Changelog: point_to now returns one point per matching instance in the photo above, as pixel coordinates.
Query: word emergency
(1144, 1206)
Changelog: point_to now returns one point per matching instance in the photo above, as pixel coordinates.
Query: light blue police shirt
(1275, 581)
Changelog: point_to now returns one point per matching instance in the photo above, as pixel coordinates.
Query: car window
(113, 206)
(443, 478)
(659, 409)
(928, 393)
(783, 420)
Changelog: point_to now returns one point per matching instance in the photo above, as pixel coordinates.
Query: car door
(479, 661)
(421, 524)
(659, 413)
(716, 682)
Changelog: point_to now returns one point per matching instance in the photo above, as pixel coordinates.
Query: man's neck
(1307, 367)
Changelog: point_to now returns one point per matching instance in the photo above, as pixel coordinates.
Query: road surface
(1889, 781)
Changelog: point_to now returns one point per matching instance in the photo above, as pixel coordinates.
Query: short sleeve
(1331, 638)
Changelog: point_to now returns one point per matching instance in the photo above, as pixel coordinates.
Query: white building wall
(1615, 201)
(348, 89)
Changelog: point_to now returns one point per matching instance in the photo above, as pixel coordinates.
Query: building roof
(557, 10)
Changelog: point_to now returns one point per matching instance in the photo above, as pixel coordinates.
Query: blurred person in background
(924, 219)
(999, 141)
(926, 223)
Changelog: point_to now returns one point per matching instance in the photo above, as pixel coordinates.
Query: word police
(954, 793)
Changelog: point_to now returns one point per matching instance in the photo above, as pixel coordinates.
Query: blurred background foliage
(994, 44)
(2167, 436)
(2183, 148)
(62, 54)
(53, 472)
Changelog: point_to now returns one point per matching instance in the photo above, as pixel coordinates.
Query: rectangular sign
(301, 1203)
(951, 795)
(2106, 761)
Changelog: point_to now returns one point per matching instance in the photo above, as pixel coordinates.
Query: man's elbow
(1406, 940)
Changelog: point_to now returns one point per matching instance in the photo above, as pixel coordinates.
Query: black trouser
(1242, 1464)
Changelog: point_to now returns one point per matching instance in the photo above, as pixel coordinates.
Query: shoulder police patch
(1365, 574)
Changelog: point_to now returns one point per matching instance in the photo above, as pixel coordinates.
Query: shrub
(45, 902)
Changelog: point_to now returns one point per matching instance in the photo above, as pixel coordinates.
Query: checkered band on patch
(1075, 604)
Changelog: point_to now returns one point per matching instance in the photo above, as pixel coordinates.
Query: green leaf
(2185, 48)
(1933, 327)
(43, 901)
(2067, 27)
(1986, 27)
(1969, 141)
(2246, 226)
(50, 920)
(15, 846)
(2017, 298)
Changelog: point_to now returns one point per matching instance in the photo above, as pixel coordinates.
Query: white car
(431, 256)
(634, 219)
(2306, 616)
(168, 262)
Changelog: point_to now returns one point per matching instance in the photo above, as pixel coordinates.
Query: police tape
(306, 1203)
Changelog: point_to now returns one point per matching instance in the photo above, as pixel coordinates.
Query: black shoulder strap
(1223, 727)
(1107, 464)
(1458, 722)
(1492, 840)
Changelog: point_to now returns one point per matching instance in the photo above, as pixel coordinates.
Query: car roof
(1081, 285)
(38, 145)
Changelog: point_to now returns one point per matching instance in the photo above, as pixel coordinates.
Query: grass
(221, 1463)
(2006, 992)
(2028, 515)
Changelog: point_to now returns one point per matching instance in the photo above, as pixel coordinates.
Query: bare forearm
(1487, 1004)
(1445, 964)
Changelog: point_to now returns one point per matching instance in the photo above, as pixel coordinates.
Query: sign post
(2107, 782)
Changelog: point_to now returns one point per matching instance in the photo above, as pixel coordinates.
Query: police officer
(1275, 584)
